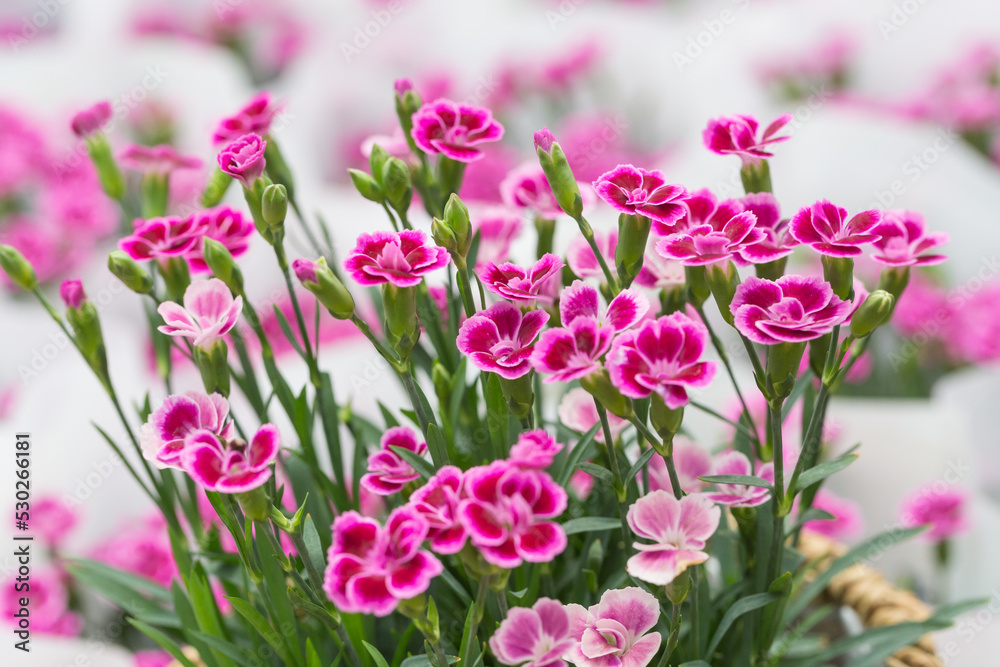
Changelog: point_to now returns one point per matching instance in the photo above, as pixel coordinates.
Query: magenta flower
(255, 118)
(613, 633)
(581, 300)
(544, 139)
(91, 120)
(658, 273)
(533, 637)
(578, 412)
(827, 230)
(163, 435)
(141, 548)
(497, 228)
(905, 242)
(777, 241)
(208, 313)
(71, 292)
(371, 568)
(519, 284)
(49, 606)
(678, 530)
(941, 507)
(400, 258)
(702, 207)
(437, 502)
(847, 521)
(505, 510)
(534, 449)
(662, 356)
(388, 472)
(639, 192)
(500, 339)
(454, 130)
(226, 225)
(580, 256)
(527, 188)
(52, 520)
(737, 135)
(733, 462)
(163, 159)
(163, 238)
(707, 244)
(792, 309)
(243, 159)
(691, 461)
(231, 466)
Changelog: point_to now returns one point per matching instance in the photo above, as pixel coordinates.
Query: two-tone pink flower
(454, 130)
(740, 495)
(536, 636)
(793, 309)
(163, 238)
(739, 135)
(400, 258)
(615, 632)
(388, 472)
(827, 229)
(540, 282)
(437, 502)
(226, 225)
(534, 449)
(243, 159)
(230, 466)
(254, 118)
(209, 313)
(501, 339)
(637, 191)
(163, 435)
(678, 531)
(905, 241)
(776, 241)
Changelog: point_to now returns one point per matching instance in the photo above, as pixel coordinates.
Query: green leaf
(239, 655)
(424, 661)
(496, 413)
(590, 524)
(387, 415)
(277, 588)
(577, 454)
(97, 572)
(314, 548)
(742, 606)
(745, 480)
(379, 660)
(597, 471)
(425, 469)
(812, 514)
(162, 640)
(263, 628)
(283, 323)
(436, 445)
(822, 471)
(695, 663)
(126, 591)
(638, 465)
(312, 657)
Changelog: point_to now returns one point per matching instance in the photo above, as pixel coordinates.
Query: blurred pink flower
(578, 412)
(497, 228)
(49, 607)
(738, 135)
(254, 118)
(905, 241)
(534, 449)
(733, 462)
(691, 461)
(162, 159)
(847, 522)
(141, 548)
(90, 120)
(52, 520)
(939, 506)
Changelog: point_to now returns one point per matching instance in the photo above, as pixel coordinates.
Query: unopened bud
(443, 236)
(321, 281)
(456, 215)
(633, 232)
(873, 313)
(367, 186)
(274, 206)
(222, 264)
(17, 268)
(559, 174)
(129, 272)
(396, 184)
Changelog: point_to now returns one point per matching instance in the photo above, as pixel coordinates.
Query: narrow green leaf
(425, 469)
(742, 606)
(387, 416)
(812, 514)
(424, 661)
(162, 640)
(376, 655)
(589, 524)
(314, 548)
(638, 465)
(436, 445)
(577, 454)
(283, 323)
(822, 471)
(597, 471)
(496, 413)
(745, 480)
(263, 628)
(118, 588)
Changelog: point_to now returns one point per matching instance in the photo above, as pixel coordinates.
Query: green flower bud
(367, 186)
(17, 268)
(443, 236)
(176, 277)
(222, 264)
(274, 206)
(633, 232)
(396, 184)
(402, 328)
(108, 173)
(873, 313)
(253, 197)
(129, 272)
(723, 281)
(456, 214)
(696, 281)
(442, 382)
(598, 385)
(560, 177)
(216, 188)
(87, 332)
(328, 288)
(277, 168)
(376, 162)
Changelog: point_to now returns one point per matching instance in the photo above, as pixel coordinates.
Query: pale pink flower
(534, 449)
(793, 309)
(527, 188)
(162, 436)
(578, 412)
(658, 272)
(637, 191)
(141, 548)
(437, 501)
(517, 283)
(482, 178)
(388, 472)
(232, 466)
(371, 568)
(163, 238)
(162, 160)
(497, 228)
(616, 631)
(580, 256)
(939, 506)
(152, 658)
(826, 229)
(922, 308)
(733, 462)
(254, 118)
(400, 258)
(847, 521)
(581, 484)
(52, 520)
(678, 529)
(209, 313)
(49, 612)
(454, 129)
(506, 512)
(691, 461)
(533, 637)
(243, 159)
(738, 135)
(90, 120)
(394, 144)
(226, 225)
(905, 241)
(501, 338)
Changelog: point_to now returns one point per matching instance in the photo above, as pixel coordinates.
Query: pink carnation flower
(737, 135)
(733, 462)
(254, 118)
(90, 120)
(613, 633)
(921, 308)
(664, 356)
(527, 188)
(658, 272)
(163, 238)
(943, 508)
(141, 548)
(972, 333)
(793, 309)
(454, 130)
(534, 449)
(388, 472)
(243, 159)
(162, 436)
(437, 502)
(678, 529)
(371, 568)
(500, 339)
(52, 520)
(639, 192)
(49, 606)
(497, 228)
(152, 658)
(516, 283)
(209, 313)
(578, 412)
(226, 225)
(534, 637)
(702, 207)
(162, 159)
(905, 242)
(847, 521)
(400, 258)
(231, 466)
(777, 241)
(581, 259)
(691, 461)
(505, 512)
(827, 230)
(708, 244)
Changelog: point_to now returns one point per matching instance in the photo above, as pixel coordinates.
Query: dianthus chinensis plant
(512, 531)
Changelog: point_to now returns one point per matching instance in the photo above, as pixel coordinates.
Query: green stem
(406, 375)
(345, 641)
(620, 485)
(675, 631)
(464, 285)
(669, 460)
(588, 234)
(777, 504)
(477, 614)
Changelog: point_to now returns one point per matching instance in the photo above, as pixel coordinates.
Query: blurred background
(896, 105)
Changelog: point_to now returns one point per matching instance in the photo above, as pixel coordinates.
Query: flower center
(638, 196)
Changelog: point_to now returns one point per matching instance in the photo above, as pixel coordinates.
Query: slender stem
(302, 220)
(392, 218)
(675, 631)
(609, 276)
(439, 653)
(620, 484)
(345, 641)
(406, 375)
(386, 352)
(502, 602)
(669, 460)
(778, 511)
(279, 250)
(477, 615)
(694, 597)
(464, 285)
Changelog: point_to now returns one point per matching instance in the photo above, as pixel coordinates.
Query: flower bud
(873, 313)
(108, 173)
(666, 422)
(222, 264)
(274, 206)
(376, 162)
(216, 188)
(598, 385)
(82, 317)
(396, 184)
(407, 103)
(401, 326)
(723, 281)
(244, 160)
(367, 186)
(17, 268)
(321, 281)
(633, 231)
(91, 120)
(783, 362)
(129, 272)
(71, 292)
(213, 364)
(544, 140)
(518, 394)
(456, 215)
(443, 236)
(559, 174)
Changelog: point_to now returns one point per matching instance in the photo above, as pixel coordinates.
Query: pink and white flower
(437, 501)
(939, 506)
(581, 300)
(613, 632)
(162, 436)
(691, 461)
(505, 512)
(793, 309)
(400, 258)
(733, 462)
(209, 313)
(254, 118)
(678, 529)
(163, 238)
(904, 240)
(710, 243)
(534, 637)
(662, 356)
(578, 412)
(501, 339)
(226, 225)
(825, 227)
(161, 160)
(454, 129)
(231, 466)
(534, 449)
(243, 159)
(497, 228)
(52, 520)
(847, 521)
(388, 472)
(637, 191)
(580, 256)
(738, 135)
(49, 606)
(526, 187)
(141, 548)
(371, 568)
(777, 241)
(517, 283)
